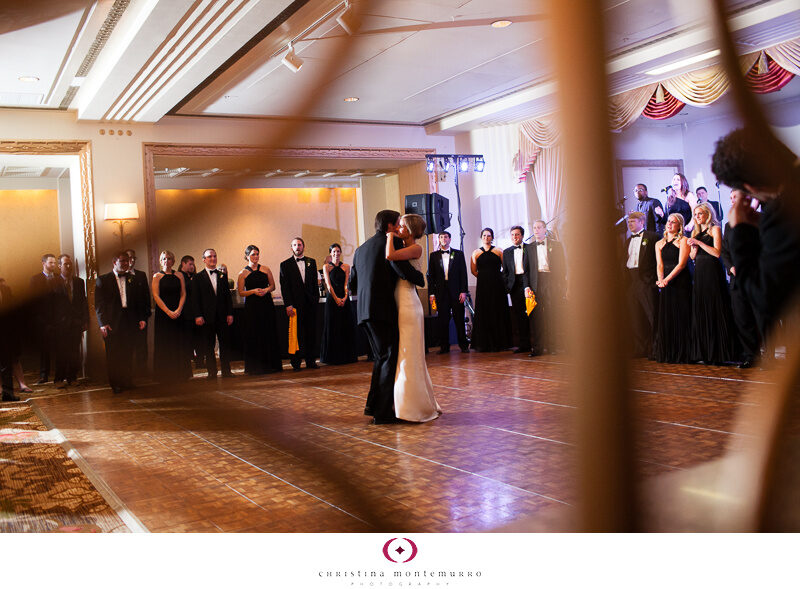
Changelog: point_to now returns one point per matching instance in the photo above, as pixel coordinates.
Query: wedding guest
(73, 320)
(300, 292)
(673, 331)
(212, 308)
(677, 205)
(339, 328)
(650, 207)
(702, 197)
(256, 284)
(9, 326)
(681, 187)
(547, 283)
(121, 317)
(140, 341)
(765, 247)
(491, 328)
(713, 330)
(169, 296)
(447, 289)
(515, 276)
(744, 317)
(41, 311)
(641, 284)
(191, 336)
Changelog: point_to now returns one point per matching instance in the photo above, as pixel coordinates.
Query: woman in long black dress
(673, 331)
(491, 329)
(339, 329)
(255, 284)
(713, 329)
(169, 295)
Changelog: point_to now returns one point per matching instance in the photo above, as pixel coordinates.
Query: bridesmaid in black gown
(713, 330)
(673, 331)
(491, 328)
(169, 295)
(255, 284)
(339, 329)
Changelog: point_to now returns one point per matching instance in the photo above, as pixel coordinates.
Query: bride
(413, 389)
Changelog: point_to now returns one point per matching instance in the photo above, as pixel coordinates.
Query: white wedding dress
(413, 389)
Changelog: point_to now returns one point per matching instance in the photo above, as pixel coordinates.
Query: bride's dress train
(413, 389)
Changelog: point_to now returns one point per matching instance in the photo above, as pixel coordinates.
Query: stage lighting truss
(462, 163)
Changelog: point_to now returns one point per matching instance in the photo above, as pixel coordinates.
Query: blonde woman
(413, 389)
(673, 328)
(169, 296)
(713, 331)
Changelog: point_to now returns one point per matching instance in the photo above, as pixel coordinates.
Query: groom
(372, 279)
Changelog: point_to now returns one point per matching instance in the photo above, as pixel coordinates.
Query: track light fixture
(291, 60)
(480, 164)
(348, 19)
(463, 165)
(430, 165)
(461, 162)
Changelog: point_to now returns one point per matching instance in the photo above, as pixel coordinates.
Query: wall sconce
(121, 213)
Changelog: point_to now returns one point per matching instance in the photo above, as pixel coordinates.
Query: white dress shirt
(212, 275)
(518, 267)
(301, 265)
(446, 262)
(542, 263)
(123, 288)
(633, 251)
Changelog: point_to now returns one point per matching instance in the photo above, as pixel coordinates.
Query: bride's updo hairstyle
(416, 225)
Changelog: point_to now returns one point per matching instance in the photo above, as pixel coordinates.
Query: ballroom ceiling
(437, 63)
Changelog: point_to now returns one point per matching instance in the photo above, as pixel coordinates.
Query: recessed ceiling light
(683, 63)
(500, 24)
(328, 174)
(28, 79)
(351, 99)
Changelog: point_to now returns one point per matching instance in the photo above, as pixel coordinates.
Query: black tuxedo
(140, 345)
(372, 280)
(515, 286)
(652, 219)
(9, 328)
(447, 295)
(304, 298)
(642, 294)
(767, 257)
(124, 324)
(214, 309)
(42, 313)
(743, 316)
(73, 320)
(549, 289)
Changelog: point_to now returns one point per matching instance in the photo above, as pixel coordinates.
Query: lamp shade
(119, 211)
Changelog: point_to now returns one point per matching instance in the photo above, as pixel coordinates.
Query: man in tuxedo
(764, 248)
(9, 327)
(702, 196)
(515, 276)
(640, 271)
(44, 295)
(447, 288)
(190, 340)
(744, 317)
(372, 281)
(143, 285)
(547, 274)
(650, 207)
(121, 317)
(300, 293)
(72, 321)
(212, 307)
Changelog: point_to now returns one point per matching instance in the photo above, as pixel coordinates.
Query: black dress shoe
(534, 353)
(465, 350)
(747, 363)
(228, 374)
(440, 352)
(522, 350)
(9, 397)
(312, 366)
(297, 368)
(384, 420)
(116, 390)
(42, 380)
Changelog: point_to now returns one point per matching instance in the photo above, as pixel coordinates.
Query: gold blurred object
(530, 303)
(293, 345)
(433, 304)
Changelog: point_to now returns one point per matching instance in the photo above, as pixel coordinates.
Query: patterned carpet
(41, 488)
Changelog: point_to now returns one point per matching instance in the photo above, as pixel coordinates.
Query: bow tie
(123, 274)
(635, 235)
(215, 271)
(299, 260)
(519, 247)
(445, 251)
(539, 243)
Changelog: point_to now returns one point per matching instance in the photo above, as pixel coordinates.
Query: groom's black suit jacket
(373, 278)
(213, 308)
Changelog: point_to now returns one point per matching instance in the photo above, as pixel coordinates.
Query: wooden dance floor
(292, 452)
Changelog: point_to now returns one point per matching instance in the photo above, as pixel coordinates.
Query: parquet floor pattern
(292, 452)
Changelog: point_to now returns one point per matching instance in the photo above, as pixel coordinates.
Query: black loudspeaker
(434, 208)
